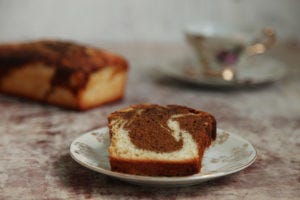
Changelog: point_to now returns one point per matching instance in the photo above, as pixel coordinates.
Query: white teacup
(220, 46)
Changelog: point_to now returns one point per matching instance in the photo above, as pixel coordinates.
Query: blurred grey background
(138, 20)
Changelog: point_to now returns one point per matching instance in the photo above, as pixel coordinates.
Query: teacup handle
(264, 43)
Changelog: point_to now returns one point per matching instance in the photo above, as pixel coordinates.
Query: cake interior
(159, 133)
(123, 147)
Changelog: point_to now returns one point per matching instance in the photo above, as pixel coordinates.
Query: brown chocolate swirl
(148, 126)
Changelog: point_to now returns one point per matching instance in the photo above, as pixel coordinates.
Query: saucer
(227, 155)
(254, 71)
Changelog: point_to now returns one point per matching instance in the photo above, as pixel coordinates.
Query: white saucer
(229, 154)
(251, 72)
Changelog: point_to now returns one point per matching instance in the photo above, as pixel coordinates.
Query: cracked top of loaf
(59, 54)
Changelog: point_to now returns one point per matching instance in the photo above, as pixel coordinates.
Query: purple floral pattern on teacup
(229, 56)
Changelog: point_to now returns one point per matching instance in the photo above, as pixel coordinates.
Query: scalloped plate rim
(160, 181)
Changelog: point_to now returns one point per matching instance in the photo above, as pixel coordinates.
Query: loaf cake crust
(154, 140)
(62, 73)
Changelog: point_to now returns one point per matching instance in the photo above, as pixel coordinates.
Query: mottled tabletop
(35, 162)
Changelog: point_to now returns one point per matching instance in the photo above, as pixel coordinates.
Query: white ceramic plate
(250, 72)
(229, 154)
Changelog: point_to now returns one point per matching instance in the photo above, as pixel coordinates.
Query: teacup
(220, 47)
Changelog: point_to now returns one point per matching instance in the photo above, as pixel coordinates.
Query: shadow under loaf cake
(62, 73)
(154, 140)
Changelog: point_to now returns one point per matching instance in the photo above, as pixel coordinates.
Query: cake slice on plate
(156, 140)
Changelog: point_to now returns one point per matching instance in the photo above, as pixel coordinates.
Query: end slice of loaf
(156, 140)
(62, 73)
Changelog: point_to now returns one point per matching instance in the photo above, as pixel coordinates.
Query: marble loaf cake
(62, 73)
(156, 140)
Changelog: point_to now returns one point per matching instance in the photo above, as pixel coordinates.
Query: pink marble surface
(34, 145)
